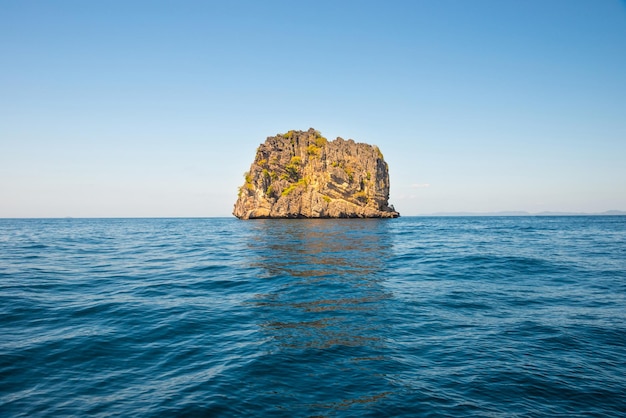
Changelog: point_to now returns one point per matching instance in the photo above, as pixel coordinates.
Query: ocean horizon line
(433, 214)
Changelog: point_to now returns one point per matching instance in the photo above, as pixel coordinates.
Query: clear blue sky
(155, 108)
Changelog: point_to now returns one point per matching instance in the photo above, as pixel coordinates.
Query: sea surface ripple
(416, 316)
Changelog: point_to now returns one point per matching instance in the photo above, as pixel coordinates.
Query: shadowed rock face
(301, 175)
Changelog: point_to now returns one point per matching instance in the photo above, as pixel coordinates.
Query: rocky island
(300, 174)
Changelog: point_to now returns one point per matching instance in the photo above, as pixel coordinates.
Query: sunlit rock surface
(302, 175)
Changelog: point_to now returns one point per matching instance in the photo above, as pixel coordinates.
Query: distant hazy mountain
(523, 213)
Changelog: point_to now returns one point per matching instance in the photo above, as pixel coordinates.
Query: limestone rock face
(302, 175)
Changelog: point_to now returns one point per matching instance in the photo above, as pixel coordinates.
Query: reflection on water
(323, 312)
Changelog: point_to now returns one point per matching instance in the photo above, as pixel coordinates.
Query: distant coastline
(523, 213)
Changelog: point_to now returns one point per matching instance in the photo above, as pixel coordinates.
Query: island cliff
(302, 175)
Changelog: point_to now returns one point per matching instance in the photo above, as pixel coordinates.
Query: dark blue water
(461, 317)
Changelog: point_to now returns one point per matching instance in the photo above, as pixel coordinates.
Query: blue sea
(408, 317)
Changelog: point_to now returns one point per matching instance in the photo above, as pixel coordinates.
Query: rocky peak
(300, 174)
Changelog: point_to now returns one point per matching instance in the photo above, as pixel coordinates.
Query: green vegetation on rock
(301, 183)
(248, 184)
(361, 196)
(313, 150)
(350, 172)
(292, 169)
